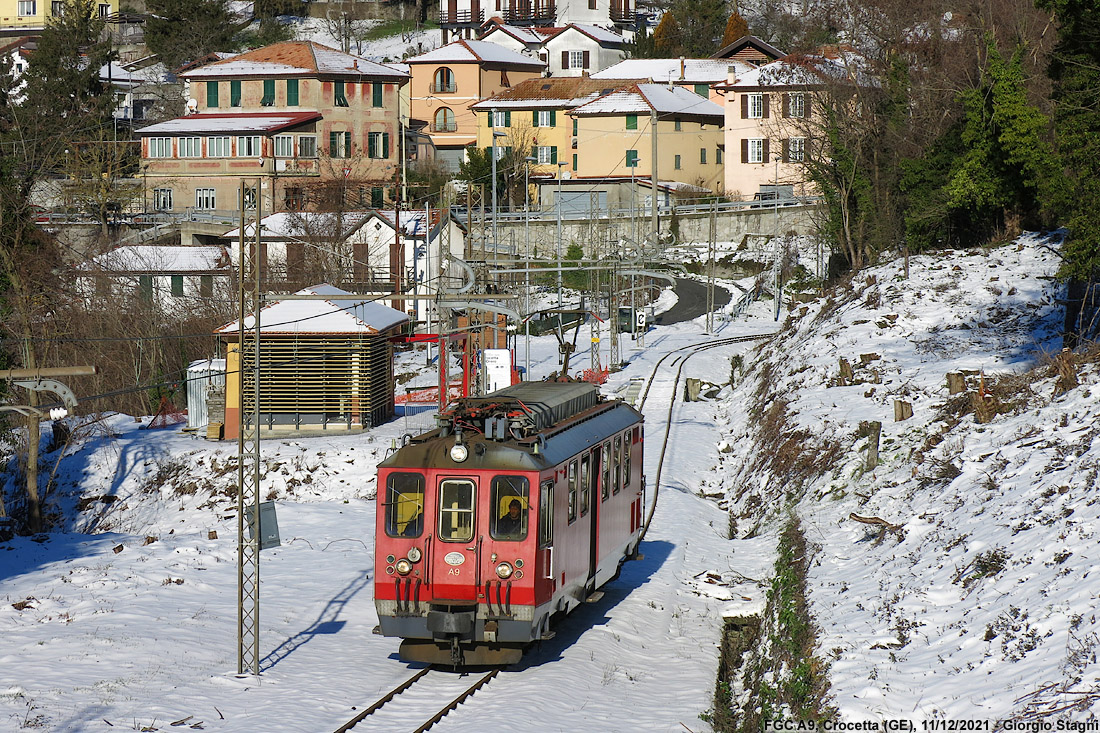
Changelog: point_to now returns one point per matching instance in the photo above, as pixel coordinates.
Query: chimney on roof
(682, 66)
(731, 74)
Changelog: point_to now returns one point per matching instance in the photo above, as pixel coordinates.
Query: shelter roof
(340, 312)
(209, 124)
(294, 58)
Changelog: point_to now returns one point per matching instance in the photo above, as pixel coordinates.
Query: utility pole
(653, 172)
(248, 440)
(711, 252)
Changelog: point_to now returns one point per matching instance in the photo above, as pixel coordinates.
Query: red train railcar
(517, 508)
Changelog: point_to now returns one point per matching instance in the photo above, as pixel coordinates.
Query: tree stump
(902, 410)
(956, 382)
(872, 430)
(847, 376)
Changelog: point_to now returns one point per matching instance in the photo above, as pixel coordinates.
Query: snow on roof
(475, 51)
(828, 65)
(150, 258)
(305, 224)
(696, 71)
(521, 34)
(230, 123)
(643, 98)
(340, 313)
(555, 92)
(299, 58)
(600, 35)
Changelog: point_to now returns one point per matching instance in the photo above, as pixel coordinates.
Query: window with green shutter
(632, 122)
(574, 161)
(235, 93)
(703, 90)
(376, 95)
(377, 197)
(145, 287)
(574, 125)
(177, 286)
(269, 93)
(339, 144)
(291, 92)
(211, 94)
(338, 98)
(631, 158)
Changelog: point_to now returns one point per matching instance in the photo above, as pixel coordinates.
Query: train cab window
(605, 483)
(618, 467)
(546, 514)
(586, 478)
(456, 510)
(404, 504)
(510, 505)
(572, 490)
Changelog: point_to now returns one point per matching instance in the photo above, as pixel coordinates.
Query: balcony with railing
(461, 17)
(450, 126)
(622, 13)
(444, 87)
(526, 12)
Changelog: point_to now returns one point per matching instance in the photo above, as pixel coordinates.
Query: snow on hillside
(391, 48)
(980, 601)
(977, 602)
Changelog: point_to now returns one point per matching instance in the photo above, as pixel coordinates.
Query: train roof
(544, 403)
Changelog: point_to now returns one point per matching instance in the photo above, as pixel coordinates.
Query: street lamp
(527, 268)
(496, 134)
(560, 164)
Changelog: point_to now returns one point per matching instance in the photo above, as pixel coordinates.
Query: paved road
(692, 302)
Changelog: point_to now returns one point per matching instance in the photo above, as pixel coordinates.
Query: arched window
(444, 120)
(444, 82)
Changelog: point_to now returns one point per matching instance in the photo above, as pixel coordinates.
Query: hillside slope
(978, 599)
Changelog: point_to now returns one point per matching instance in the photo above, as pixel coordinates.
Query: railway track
(679, 359)
(422, 691)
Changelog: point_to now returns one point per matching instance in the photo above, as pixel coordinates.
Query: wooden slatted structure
(324, 365)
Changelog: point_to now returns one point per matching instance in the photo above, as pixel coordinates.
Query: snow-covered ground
(96, 639)
(979, 605)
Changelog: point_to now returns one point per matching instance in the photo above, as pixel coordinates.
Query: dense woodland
(959, 130)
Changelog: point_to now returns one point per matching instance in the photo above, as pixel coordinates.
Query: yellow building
(534, 118)
(446, 81)
(615, 136)
(310, 122)
(30, 14)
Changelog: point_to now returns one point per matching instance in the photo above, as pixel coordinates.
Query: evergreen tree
(702, 23)
(642, 47)
(736, 29)
(667, 38)
(1075, 71)
(179, 31)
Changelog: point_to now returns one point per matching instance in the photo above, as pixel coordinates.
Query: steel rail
(454, 703)
(692, 350)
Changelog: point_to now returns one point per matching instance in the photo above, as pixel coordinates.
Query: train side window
(510, 505)
(618, 468)
(546, 514)
(404, 504)
(572, 491)
(626, 461)
(456, 510)
(586, 477)
(605, 483)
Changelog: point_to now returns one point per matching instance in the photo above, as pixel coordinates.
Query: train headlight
(504, 571)
(404, 567)
(414, 554)
(459, 453)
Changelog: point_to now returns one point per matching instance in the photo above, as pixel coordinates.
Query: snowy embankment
(975, 596)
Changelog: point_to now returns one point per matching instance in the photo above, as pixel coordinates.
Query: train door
(591, 508)
(545, 567)
(455, 562)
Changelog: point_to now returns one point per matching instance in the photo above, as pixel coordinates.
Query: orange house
(446, 81)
